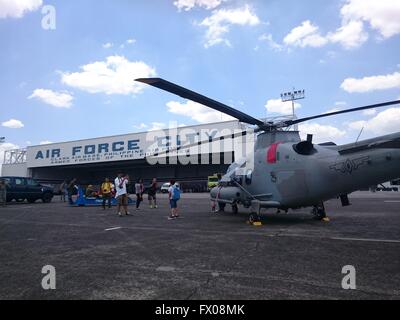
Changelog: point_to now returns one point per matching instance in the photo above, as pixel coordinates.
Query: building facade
(141, 155)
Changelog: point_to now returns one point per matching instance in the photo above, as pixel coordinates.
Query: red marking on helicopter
(272, 152)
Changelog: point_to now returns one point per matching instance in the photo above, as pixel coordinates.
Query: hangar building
(91, 160)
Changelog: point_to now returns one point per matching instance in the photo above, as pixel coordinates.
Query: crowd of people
(120, 189)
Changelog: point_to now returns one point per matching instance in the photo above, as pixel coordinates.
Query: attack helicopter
(288, 173)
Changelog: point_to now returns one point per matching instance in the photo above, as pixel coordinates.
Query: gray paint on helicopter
(302, 174)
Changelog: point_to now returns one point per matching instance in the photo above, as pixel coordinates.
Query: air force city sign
(123, 147)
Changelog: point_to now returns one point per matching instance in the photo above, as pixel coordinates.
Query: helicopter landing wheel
(254, 217)
(319, 212)
(235, 208)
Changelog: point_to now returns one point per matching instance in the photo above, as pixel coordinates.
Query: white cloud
(18, 8)
(373, 83)
(333, 110)
(350, 35)
(131, 41)
(369, 112)
(13, 124)
(114, 76)
(219, 23)
(197, 112)
(140, 126)
(190, 4)
(322, 133)
(305, 35)
(338, 107)
(108, 45)
(384, 122)
(382, 15)
(277, 106)
(44, 142)
(54, 98)
(155, 126)
(270, 41)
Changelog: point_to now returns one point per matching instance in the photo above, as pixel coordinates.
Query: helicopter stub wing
(196, 97)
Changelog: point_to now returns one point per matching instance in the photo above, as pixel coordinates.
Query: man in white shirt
(121, 194)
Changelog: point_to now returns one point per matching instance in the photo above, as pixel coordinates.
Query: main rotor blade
(194, 96)
(378, 105)
(229, 136)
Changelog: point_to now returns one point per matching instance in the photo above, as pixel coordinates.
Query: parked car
(20, 188)
(165, 187)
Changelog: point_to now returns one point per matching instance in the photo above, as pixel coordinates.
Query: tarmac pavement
(98, 255)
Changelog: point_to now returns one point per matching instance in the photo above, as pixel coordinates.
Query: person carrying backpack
(174, 196)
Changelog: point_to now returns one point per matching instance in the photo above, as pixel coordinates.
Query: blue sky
(74, 82)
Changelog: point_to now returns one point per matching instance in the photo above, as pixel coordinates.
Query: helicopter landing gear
(319, 212)
(235, 208)
(254, 217)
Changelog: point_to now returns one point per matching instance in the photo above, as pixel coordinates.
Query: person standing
(139, 188)
(174, 193)
(3, 192)
(121, 193)
(71, 190)
(221, 206)
(105, 189)
(152, 194)
(63, 190)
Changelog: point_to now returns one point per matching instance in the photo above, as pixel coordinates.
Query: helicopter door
(291, 184)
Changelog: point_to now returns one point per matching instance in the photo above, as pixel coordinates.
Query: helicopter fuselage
(292, 175)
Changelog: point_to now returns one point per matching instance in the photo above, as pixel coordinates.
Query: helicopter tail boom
(391, 141)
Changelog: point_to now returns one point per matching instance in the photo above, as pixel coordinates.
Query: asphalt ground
(98, 255)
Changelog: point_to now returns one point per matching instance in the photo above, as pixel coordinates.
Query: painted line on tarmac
(335, 238)
(392, 201)
(113, 228)
(18, 207)
(365, 240)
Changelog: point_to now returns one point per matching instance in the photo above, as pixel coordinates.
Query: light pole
(292, 96)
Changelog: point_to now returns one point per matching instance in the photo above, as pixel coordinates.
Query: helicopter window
(249, 176)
